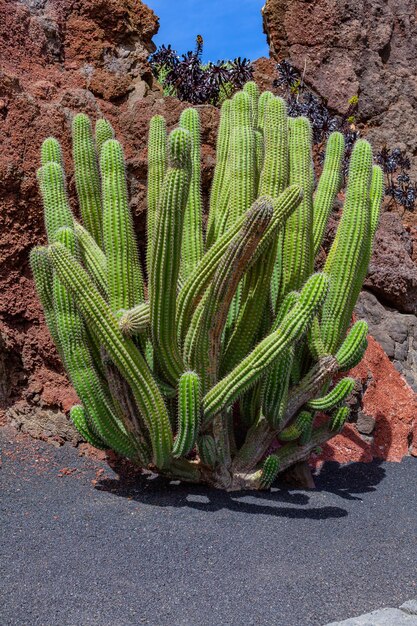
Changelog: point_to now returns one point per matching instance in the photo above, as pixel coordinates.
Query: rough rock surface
(389, 400)
(352, 48)
(392, 274)
(395, 332)
(64, 57)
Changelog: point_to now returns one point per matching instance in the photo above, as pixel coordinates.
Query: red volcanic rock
(393, 405)
(65, 57)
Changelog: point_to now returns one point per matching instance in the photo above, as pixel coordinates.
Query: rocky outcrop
(349, 48)
(385, 407)
(395, 332)
(64, 57)
(392, 274)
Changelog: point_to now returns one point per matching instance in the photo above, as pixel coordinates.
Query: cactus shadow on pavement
(345, 481)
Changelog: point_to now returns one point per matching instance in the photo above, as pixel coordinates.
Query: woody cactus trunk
(214, 370)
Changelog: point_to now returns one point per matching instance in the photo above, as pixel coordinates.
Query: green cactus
(234, 342)
(192, 239)
(157, 157)
(301, 424)
(78, 418)
(87, 177)
(270, 471)
(333, 399)
(103, 132)
(135, 321)
(124, 273)
(221, 180)
(166, 256)
(51, 152)
(339, 418)
(352, 349)
(189, 406)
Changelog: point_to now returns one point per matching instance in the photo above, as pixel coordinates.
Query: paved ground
(405, 615)
(75, 553)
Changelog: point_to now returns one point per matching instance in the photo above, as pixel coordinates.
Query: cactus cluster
(227, 344)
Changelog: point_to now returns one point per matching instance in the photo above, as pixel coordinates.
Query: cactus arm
(315, 342)
(376, 194)
(252, 89)
(135, 321)
(220, 172)
(275, 172)
(166, 259)
(353, 347)
(309, 386)
(124, 274)
(300, 425)
(263, 101)
(122, 351)
(189, 399)
(192, 246)
(79, 364)
(51, 152)
(78, 418)
(257, 362)
(103, 132)
(277, 380)
(339, 418)
(43, 277)
(336, 396)
(242, 158)
(276, 388)
(297, 244)
(256, 288)
(92, 256)
(157, 157)
(193, 330)
(204, 272)
(328, 187)
(270, 471)
(259, 155)
(206, 353)
(57, 210)
(346, 254)
(242, 172)
(87, 178)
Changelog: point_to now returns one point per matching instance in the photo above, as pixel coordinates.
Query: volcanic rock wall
(57, 58)
(349, 47)
(60, 57)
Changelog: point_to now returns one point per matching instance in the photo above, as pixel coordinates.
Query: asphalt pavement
(80, 548)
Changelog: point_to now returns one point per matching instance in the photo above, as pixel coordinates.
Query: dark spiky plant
(231, 349)
(191, 80)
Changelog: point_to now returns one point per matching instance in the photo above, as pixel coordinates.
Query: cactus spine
(234, 344)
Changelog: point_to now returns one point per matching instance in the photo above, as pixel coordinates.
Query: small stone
(410, 607)
(383, 617)
(365, 423)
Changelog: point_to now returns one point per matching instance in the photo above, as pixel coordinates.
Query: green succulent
(233, 341)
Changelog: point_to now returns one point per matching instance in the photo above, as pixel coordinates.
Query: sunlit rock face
(346, 48)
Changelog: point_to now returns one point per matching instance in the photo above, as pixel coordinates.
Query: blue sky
(230, 28)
